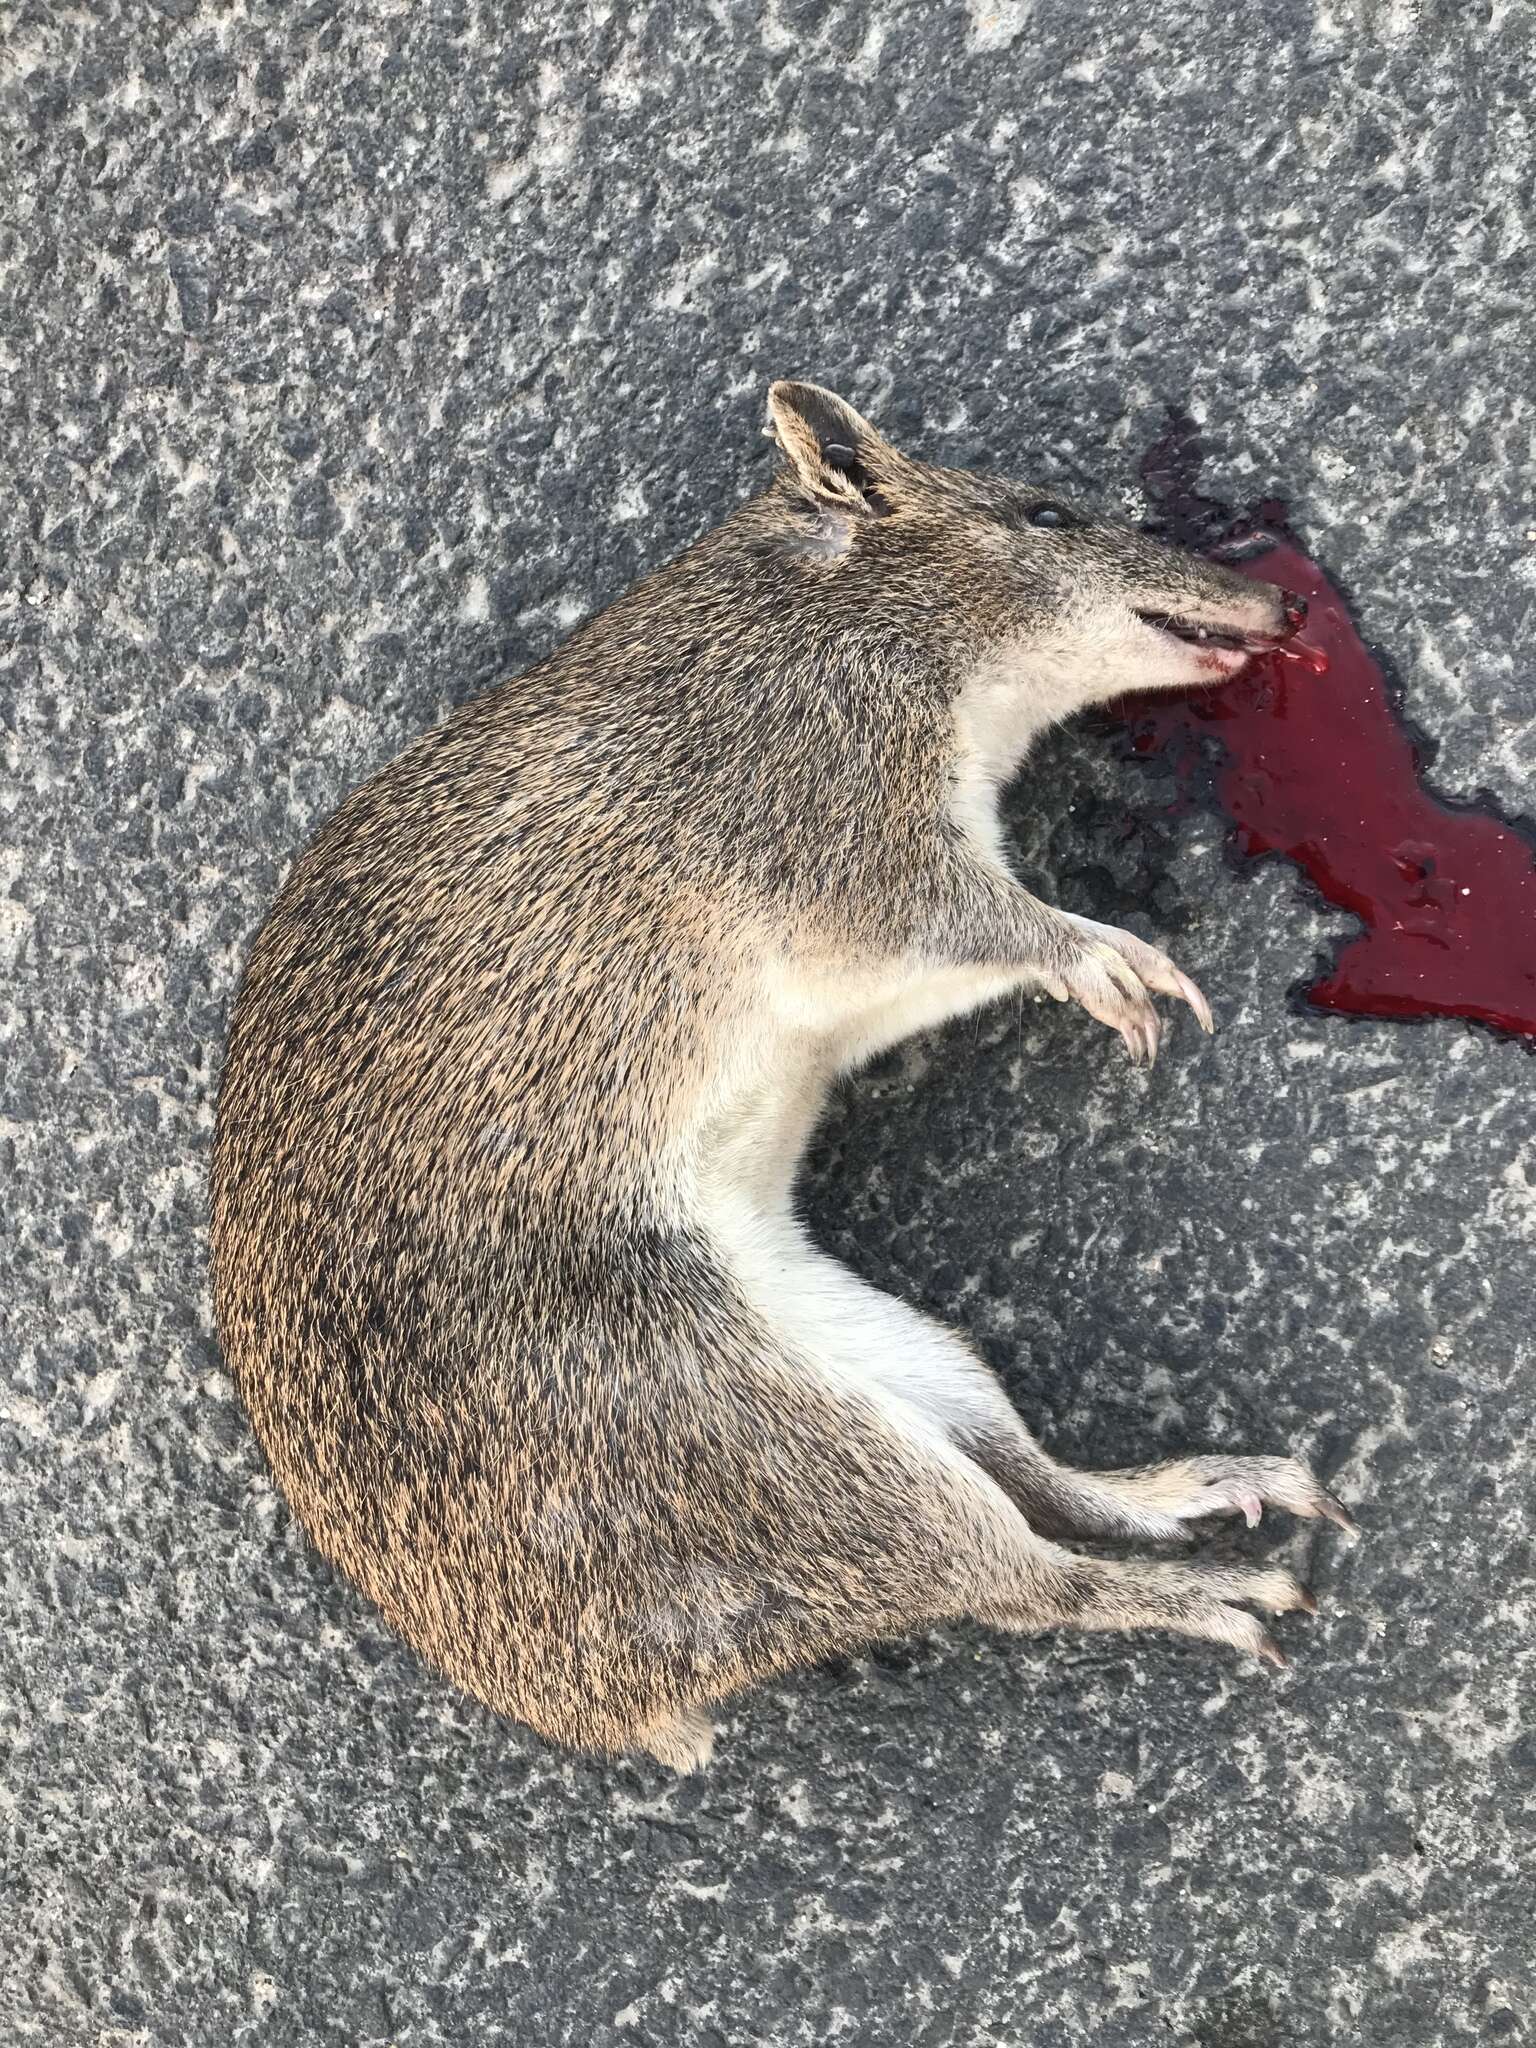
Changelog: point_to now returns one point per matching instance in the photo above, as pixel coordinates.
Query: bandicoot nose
(1295, 611)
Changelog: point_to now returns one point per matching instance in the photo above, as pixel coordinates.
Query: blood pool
(1310, 758)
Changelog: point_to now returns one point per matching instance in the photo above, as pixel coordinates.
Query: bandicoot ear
(833, 452)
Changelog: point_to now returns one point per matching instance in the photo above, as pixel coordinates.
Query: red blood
(1319, 767)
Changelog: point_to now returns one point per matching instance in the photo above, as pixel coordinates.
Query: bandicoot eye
(1048, 514)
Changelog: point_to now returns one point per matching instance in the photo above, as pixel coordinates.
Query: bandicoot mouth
(1212, 636)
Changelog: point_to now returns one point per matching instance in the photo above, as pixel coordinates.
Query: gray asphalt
(348, 356)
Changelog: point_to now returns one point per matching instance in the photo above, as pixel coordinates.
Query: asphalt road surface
(349, 355)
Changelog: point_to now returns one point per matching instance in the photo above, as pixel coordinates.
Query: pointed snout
(1202, 601)
(1287, 610)
(1245, 605)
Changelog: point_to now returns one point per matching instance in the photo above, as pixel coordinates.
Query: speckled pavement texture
(349, 354)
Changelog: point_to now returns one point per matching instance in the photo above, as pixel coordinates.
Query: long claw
(1271, 1652)
(1250, 1507)
(1196, 1001)
(1307, 1601)
(1334, 1511)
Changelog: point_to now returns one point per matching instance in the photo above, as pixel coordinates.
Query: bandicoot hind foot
(1207, 1601)
(1136, 1501)
(1276, 1591)
(1162, 1499)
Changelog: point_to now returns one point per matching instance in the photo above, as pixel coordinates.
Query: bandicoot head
(1078, 607)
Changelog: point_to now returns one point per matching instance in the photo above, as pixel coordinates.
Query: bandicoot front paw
(1113, 975)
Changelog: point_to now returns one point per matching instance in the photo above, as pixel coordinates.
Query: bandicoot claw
(1140, 1043)
(1196, 1001)
(1334, 1511)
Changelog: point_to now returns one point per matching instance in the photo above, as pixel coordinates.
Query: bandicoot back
(526, 1056)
